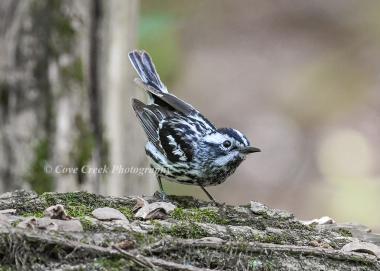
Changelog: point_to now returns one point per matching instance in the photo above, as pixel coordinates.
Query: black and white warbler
(183, 146)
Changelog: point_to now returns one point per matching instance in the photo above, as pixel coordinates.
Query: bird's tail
(144, 66)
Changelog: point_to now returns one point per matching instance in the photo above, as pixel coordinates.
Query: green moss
(38, 178)
(37, 214)
(78, 210)
(143, 239)
(178, 214)
(70, 198)
(344, 232)
(127, 211)
(54, 24)
(62, 26)
(74, 205)
(74, 71)
(81, 204)
(88, 225)
(84, 198)
(275, 239)
(77, 204)
(52, 19)
(6, 268)
(48, 198)
(198, 215)
(181, 230)
(185, 231)
(83, 146)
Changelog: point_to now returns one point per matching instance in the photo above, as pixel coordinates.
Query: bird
(183, 146)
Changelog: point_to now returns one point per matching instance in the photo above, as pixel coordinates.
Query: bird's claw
(217, 204)
(161, 195)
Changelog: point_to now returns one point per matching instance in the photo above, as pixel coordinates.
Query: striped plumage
(183, 146)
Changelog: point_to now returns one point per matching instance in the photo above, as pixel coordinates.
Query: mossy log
(197, 235)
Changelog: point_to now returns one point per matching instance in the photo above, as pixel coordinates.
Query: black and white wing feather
(175, 141)
(150, 117)
(166, 130)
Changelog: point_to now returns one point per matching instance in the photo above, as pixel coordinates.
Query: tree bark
(65, 90)
(44, 106)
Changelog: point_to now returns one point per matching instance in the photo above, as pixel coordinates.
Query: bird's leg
(207, 193)
(162, 192)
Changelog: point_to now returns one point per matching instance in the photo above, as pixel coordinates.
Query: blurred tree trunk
(44, 105)
(65, 88)
(125, 136)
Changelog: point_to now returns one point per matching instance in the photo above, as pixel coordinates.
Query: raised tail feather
(158, 94)
(144, 66)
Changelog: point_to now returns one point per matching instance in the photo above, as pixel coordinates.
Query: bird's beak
(247, 150)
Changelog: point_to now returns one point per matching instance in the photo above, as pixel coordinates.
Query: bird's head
(228, 147)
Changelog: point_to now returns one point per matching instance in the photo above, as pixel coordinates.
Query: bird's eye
(227, 144)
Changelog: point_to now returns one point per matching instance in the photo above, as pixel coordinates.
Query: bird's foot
(161, 195)
(217, 204)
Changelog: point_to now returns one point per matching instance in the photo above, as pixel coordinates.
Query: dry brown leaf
(57, 212)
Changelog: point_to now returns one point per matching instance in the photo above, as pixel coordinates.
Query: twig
(256, 247)
(139, 259)
(150, 263)
(176, 266)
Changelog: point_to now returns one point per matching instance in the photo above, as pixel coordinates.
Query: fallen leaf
(140, 202)
(363, 247)
(157, 214)
(151, 210)
(56, 212)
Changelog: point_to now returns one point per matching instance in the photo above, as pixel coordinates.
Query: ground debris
(155, 210)
(320, 221)
(56, 212)
(50, 224)
(190, 235)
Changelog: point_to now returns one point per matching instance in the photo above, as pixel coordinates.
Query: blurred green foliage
(158, 36)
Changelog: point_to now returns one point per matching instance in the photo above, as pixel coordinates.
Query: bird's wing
(169, 132)
(177, 138)
(150, 117)
(150, 81)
